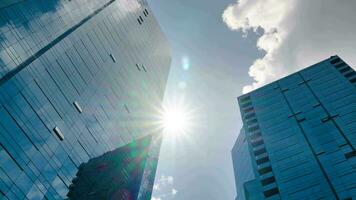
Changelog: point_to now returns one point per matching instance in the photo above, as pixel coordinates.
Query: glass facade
(252, 190)
(301, 133)
(125, 173)
(242, 164)
(78, 78)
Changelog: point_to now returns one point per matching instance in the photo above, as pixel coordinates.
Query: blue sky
(235, 46)
(199, 166)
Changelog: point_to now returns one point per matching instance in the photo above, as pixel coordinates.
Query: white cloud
(164, 188)
(296, 34)
(156, 187)
(165, 180)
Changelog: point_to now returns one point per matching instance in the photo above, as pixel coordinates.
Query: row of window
(350, 74)
(140, 19)
(344, 69)
(57, 77)
(318, 131)
(305, 97)
(141, 68)
(258, 146)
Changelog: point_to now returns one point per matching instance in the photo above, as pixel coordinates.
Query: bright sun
(174, 119)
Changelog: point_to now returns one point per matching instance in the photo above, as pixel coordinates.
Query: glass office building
(301, 134)
(78, 78)
(125, 173)
(242, 164)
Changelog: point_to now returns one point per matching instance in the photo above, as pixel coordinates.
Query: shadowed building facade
(301, 134)
(241, 161)
(77, 79)
(126, 173)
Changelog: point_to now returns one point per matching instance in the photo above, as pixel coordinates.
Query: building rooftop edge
(331, 57)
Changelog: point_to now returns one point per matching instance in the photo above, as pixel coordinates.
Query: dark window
(265, 170)
(139, 21)
(146, 11)
(77, 106)
(262, 160)
(345, 69)
(350, 154)
(268, 180)
(340, 65)
(254, 128)
(260, 151)
(271, 192)
(257, 143)
(59, 133)
(348, 75)
(244, 105)
(139, 69)
(144, 68)
(336, 60)
(248, 109)
(249, 116)
(353, 80)
(245, 99)
(255, 135)
(112, 58)
(250, 122)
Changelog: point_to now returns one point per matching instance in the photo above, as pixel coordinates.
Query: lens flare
(185, 63)
(174, 121)
(175, 118)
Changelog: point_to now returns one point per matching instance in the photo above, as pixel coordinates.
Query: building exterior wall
(302, 133)
(150, 168)
(77, 78)
(253, 190)
(125, 173)
(242, 164)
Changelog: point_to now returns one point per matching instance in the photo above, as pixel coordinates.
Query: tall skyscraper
(125, 173)
(241, 161)
(301, 134)
(78, 78)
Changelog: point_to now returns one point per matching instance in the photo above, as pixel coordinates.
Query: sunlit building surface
(78, 78)
(301, 134)
(125, 173)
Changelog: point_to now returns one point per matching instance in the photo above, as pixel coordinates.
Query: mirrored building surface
(78, 78)
(301, 134)
(126, 173)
